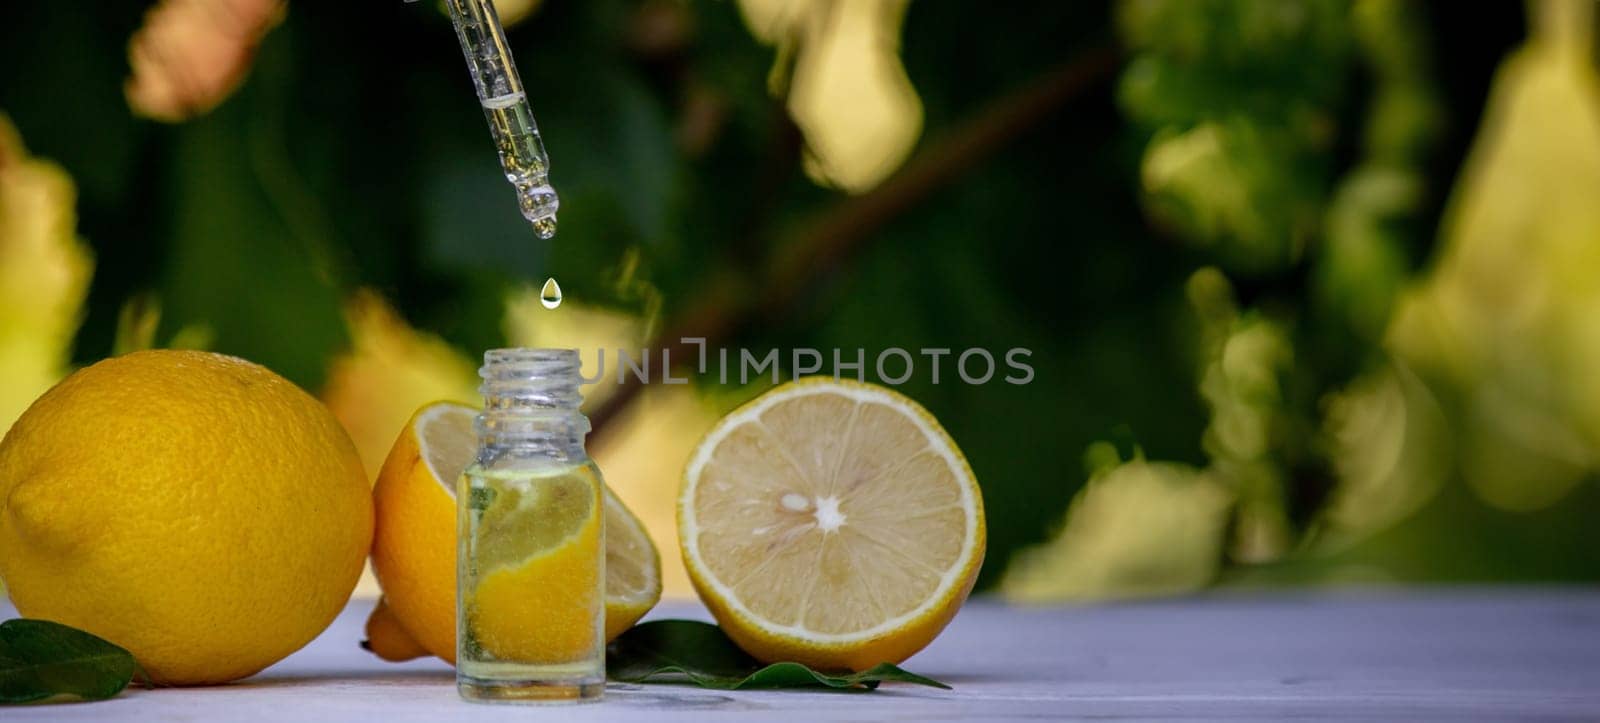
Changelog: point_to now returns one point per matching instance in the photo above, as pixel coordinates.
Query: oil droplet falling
(545, 228)
(550, 295)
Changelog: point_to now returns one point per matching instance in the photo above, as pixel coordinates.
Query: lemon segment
(833, 523)
(531, 514)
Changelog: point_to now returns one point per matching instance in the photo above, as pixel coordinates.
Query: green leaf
(40, 659)
(675, 651)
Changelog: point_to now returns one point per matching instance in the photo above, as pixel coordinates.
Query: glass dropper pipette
(505, 106)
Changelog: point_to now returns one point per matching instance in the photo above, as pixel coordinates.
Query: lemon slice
(414, 552)
(531, 514)
(537, 585)
(832, 523)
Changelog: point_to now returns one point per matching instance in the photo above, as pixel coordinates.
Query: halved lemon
(414, 542)
(832, 523)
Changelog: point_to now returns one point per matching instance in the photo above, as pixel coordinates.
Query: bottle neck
(530, 407)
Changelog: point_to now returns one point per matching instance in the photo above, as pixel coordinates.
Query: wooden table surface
(1445, 654)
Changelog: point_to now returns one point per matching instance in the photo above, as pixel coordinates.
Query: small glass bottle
(530, 564)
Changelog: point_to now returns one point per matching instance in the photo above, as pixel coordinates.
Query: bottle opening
(531, 379)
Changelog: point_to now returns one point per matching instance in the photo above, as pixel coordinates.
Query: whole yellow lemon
(194, 508)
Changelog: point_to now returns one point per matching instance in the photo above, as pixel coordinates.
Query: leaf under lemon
(40, 659)
(677, 651)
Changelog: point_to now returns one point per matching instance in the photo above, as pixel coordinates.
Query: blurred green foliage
(1301, 147)
(1296, 144)
(353, 155)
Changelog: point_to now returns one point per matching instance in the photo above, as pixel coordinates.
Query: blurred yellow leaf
(775, 22)
(1243, 356)
(574, 325)
(191, 54)
(512, 12)
(1511, 313)
(390, 371)
(1193, 174)
(136, 324)
(1139, 529)
(44, 274)
(1390, 446)
(849, 93)
(138, 320)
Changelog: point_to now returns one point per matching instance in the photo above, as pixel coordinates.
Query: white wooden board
(1446, 654)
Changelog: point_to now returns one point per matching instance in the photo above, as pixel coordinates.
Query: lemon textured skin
(387, 639)
(195, 508)
(414, 545)
(770, 646)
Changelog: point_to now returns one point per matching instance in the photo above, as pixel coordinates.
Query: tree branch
(841, 231)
